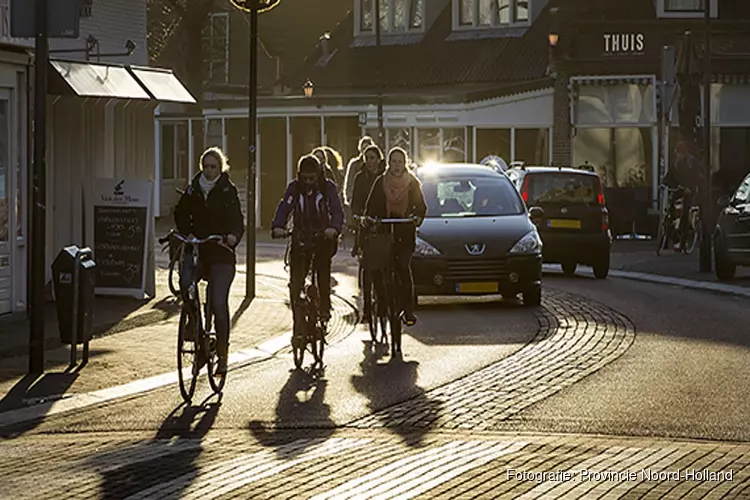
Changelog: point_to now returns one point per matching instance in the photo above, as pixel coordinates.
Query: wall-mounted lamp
(307, 88)
(553, 39)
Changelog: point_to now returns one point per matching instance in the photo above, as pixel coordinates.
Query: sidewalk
(142, 342)
(640, 257)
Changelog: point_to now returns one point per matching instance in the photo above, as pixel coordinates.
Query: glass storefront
(493, 142)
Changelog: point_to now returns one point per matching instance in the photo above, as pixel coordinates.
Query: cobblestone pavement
(575, 339)
(372, 464)
(459, 456)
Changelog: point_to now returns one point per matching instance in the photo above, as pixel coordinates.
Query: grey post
(76, 299)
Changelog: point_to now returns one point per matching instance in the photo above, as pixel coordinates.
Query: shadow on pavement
(301, 406)
(389, 384)
(244, 305)
(162, 462)
(505, 321)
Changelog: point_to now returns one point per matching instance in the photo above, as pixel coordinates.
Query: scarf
(396, 193)
(206, 185)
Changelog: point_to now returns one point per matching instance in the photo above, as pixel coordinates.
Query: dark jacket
(219, 214)
(328, 208)
(376, 207)
(362, 186)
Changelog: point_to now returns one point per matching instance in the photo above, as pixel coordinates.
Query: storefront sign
(119, 219)
(624, 43)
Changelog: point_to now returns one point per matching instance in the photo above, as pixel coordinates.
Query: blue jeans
(220, 278)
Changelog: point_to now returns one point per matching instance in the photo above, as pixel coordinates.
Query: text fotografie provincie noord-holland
(583, 475)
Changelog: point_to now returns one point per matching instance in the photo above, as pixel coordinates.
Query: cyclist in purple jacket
(314, 206)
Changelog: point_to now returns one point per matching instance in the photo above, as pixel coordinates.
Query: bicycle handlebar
(216, 238)
(386, 220)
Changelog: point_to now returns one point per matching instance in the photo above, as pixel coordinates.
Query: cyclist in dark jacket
(363, 181)
(315, 208)
(398, 193)
(210, 205)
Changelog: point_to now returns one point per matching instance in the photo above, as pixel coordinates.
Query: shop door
(5, 204)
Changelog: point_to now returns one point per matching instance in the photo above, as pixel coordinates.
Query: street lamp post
(707, 209)
(254, 7)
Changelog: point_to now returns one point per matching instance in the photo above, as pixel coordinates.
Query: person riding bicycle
(398, 194)
(373, 168)
(211, 206)
(313, 203)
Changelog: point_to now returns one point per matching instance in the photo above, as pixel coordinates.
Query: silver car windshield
(471, 197)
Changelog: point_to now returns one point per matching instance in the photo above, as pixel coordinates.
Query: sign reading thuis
(624, 43)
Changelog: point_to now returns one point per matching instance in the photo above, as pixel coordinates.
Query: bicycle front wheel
(174, 288)
(662, 235)
(694, 233)
(187, 353)
(212, 365)
(394, 316)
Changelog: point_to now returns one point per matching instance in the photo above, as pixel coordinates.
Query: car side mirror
(724, 201)
(536, 212)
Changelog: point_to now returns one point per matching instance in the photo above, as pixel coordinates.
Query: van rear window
(563, 188)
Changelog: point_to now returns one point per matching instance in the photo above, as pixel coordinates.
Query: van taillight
(605, 220)
(525, 190)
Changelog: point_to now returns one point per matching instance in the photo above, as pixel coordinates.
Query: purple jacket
(328, 209)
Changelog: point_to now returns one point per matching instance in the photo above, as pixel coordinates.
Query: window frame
(389, 29)
(494, 17)
(208, 42)
(663, 12)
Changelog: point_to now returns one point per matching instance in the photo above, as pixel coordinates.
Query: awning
(94, 80)
(162, 84)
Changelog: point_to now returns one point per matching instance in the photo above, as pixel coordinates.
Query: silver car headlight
(425, 249)
(531, 243)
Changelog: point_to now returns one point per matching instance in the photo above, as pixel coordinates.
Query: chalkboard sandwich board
(119, 220)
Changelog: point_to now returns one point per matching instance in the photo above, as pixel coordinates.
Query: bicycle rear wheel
(187, 352)
(317, 345)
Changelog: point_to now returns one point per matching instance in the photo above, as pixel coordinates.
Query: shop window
(490, 13)
(305, 136)
(531, 146)
(343, 134)
(493, 142)
(174, 151)
(167, 151)
(454, 145)
(396, 16)
(622, 156)
(613, 104)
(400, 137)
(429, 145)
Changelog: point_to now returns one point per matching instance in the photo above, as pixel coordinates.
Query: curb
(705, 286)
(737, 291)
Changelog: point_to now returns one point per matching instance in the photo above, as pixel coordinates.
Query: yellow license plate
(482, 287)
(564, 224)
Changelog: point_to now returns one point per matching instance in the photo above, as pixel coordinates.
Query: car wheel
(601, 267)
(724, 269)
(569, 268)
(532, 297)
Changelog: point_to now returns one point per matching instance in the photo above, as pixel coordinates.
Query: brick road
(438, 445)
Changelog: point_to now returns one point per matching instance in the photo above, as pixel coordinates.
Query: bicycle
(377, 319)
(310, 335)
(168, 243)
(391, 283)
(669, 226)
(195, 339)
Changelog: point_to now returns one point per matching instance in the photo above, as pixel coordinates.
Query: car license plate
(564, 224)
(481, 287)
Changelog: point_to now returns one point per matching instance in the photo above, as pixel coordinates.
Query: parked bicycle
(381, 245)
(173, 245)
(196, 341)
(669, 225)
(310, 329)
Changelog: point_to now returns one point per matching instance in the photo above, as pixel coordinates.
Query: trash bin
(64, 280)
